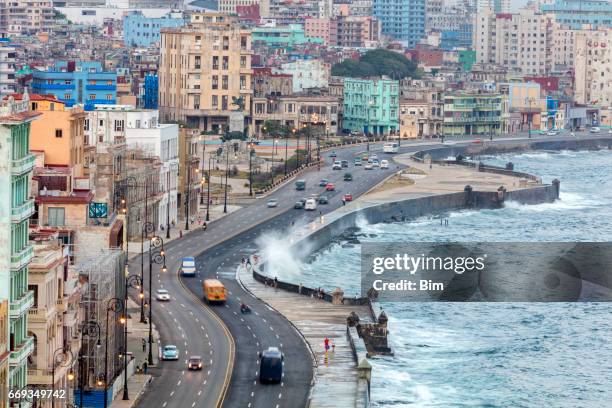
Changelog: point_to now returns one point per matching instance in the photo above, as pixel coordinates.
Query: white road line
(164, 404)
(208, 373)
(178, 383)
(193, 405)
(252, 393)
(199, 392)
(172, 393)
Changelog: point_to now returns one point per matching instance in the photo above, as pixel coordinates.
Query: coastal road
(197, 329)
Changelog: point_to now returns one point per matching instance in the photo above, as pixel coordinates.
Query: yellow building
(59, 133)
(204, 68)
(414, 119)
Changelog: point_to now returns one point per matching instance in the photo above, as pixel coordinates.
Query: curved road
(197, 329)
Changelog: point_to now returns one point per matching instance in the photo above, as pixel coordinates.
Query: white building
(140, 129)
(593, 67)
(7, 68)
(307, 74)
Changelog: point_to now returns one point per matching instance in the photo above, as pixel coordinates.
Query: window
(101, 123)
(215, 102)
(225, 82)
(215, 82)
(215, 63)
(86, 125)
(92, 96)
(243, 62)
(58, 133)
(198, 62)
(225, 63)
(225, 43)
(224, 102)
(119, 126)
(242, 82)
(67, 96)
(55, 216)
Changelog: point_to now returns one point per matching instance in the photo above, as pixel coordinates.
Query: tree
(377, 62)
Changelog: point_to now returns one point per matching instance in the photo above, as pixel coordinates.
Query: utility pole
(226, 175)
(251, 151)
(208, 187)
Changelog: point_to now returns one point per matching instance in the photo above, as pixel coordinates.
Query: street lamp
(114, 305)
(131, 281)
(530, 101)
(297, 147)
(208, 188)
(226, 175)
(203, 141)
(286, 142)
(92, 330)
(65, 359)
(251, 154)
(157, 256)
(272, 162)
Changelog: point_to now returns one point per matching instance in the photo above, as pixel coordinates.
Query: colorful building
(16, 207)
(150, 90)
(371, 105)
(576, 13)
(403, 20)
(283, 36)
(81, 82)
(467, 114)
(142, 31)
(7, 67)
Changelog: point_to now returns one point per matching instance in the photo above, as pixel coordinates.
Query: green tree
(376, 63)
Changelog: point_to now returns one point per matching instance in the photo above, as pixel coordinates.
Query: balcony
(21, 305)
(100, 87)
(22, 258)
(22, 352)
(43, 86)
(22, 211)
(23, 165)
(60, 304)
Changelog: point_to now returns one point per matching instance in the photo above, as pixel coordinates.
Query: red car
(330, 187)
(348, 197)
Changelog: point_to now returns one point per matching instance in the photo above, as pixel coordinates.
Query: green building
(371, 105)
(16, 207)
(472, 114)
(283, 36)
(467, 59)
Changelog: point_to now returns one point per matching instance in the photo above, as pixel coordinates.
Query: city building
(25, 16)
(230, 6)
(150, 92)
(593, 67)
(371, 105)
(357, 32)
(576, 13)
(352, 8)
(323, 28)
(269, 84)
(498, 6)
(206, 82)
(189, 177)
(141, 31)
(283, 36)
(80, 82)
(7, 67)
(413, 119)
(467, 114)
(5, 349)
(307, 74)
(15, 249)
(421, 108)
(402, 20)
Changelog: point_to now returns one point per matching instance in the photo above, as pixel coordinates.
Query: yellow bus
(214, 291)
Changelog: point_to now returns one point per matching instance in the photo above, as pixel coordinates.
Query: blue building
(575, 13)
(81, 82)
(453, 39)
(404, 20)
(141, 31)
(149, 96)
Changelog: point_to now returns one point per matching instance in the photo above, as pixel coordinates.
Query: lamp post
(202, 168)
(286, 146)
(67, 359)
(208, 188)
(226, 175)
(114, 305)
(272, 162)
(530, 101)
(131, 281)
(251, 153)
(187, 184)
(297, 147)
(91, 329)
(142, 238)
(157, 256)
(168, 204)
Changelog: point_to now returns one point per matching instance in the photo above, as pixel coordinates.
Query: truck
(300, 185)
(214, 291)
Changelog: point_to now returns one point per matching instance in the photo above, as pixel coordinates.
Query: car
(357, 162)
(323, 182)
(365, 157)
(373, 156)
(323, 200)
(170, 352)
(348, 177)
(368, 166)
(311, 204)
(330, 187)
(162, 295)
(344, 163)
(347, 197)
(273, 202)
(337, 165)
(194, 363)
(299, 205)
(188, 266)
(384, 164)
(333, 155)
(594, 129)
(271, 366)
(552, 132)
(375, 163)
(354, 133)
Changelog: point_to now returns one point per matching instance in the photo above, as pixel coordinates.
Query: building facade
(16, 251)
(371, 105)
(205, 73)
(81, 82)
(357, 32)
(229, 6)
(307, 74)
(468, 114)
(576, 13)
(141, 31)
(593, 68)
(25, 16)
(7, 68)
(403, 20)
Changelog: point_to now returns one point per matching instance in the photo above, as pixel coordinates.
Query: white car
(373, 156)
(594, 129)
(162, 295)
(337, 165)
(375, 163)
(384, 164)
(311, 204)
(272, 203)
(368, 166)
(552, 132)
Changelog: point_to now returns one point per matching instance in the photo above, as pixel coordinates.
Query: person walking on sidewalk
(180, 233)
(145, 366)
(326, 344)
(144, 345)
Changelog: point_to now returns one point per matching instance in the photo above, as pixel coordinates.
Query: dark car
(271, 366)
(348, 177)
(333, 154)
(323, 200)
(323, 182)
(300, 204)
(344, 163)
(194, 363)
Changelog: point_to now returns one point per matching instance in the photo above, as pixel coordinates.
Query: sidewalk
(136, 387)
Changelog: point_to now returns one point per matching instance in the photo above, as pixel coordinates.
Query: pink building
(323, 28)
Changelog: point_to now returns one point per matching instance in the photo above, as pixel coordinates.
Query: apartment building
(142, 31)
(324, 28)
(421, 109)
(189, 177)
(472, 113)
(15, 249)
(371, 105)
(307, 74)
(358, 32)
(577, 13)
(7, 68)
(593, 67)
(4, 350)
(229, 6)
(25, 16)
(402, 20)
(205, 73)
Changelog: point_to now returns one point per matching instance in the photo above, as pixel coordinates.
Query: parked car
(323, 182)
(384, 164)
(162, 295)
(357, 161)
(348, 197)
(170, 352)
(330, 187)
(272, 203)
(594, 129)
(373, 156)
(323, 200)
(337, 165)
(552, 132)
(194, 363)
(344, 163)
(348, 177)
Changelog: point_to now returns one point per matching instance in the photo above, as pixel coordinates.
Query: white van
(384, 164)
(311, 204)
(188, 267)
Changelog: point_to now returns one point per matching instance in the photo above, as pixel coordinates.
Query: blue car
(170, 352)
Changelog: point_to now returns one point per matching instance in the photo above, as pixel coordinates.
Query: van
(311, 204)
(271, 366)
(214, 291)
(384, 164)
(188, 267)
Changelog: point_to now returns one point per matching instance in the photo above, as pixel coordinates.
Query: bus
(271, 366)
(188, 267)
(214, 291)
(391, 147)
(300, 185)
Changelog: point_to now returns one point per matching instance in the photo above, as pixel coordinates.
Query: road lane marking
(172, 393)
(178, 383)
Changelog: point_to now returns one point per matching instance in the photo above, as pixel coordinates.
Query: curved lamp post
(63, 359)
(92, 330)
(131, 281)
(114, 305)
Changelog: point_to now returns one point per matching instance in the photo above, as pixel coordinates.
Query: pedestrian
(248, 261)
(275, 282)
(144, 345)
(138, 369)
(180, 233)
(333, 347)
(343, 201)
(300, 289)
(326, 343)
(145, 366)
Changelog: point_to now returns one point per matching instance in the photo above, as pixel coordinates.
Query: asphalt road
(196, 329)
